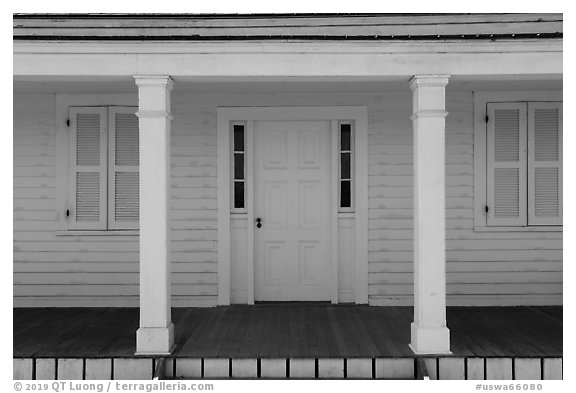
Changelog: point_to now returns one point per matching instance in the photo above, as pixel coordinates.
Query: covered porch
(410, 245)
(307, 340)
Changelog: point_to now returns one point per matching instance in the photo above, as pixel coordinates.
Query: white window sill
(542, 228)
(131, 232)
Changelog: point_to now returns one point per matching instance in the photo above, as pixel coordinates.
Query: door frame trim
(225, 115)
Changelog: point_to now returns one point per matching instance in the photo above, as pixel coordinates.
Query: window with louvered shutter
(123, 181)
(506, 164)
(87, 176)
(545, 163)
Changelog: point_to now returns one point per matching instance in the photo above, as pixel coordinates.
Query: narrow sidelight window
(346, 146)
(238, 167)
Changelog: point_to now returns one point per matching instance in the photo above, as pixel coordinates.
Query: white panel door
(292, 199)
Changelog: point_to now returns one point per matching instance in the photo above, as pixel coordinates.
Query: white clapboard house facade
(202, 160)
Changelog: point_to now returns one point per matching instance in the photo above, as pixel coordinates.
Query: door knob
(258, 222)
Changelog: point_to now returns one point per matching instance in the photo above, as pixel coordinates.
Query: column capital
(428, 113)
(154, 81)
(428, 81)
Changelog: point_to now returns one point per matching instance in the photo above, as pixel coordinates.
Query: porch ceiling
(288, 331)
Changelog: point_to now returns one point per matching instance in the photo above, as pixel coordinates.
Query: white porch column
(429, 332)
(156, 332)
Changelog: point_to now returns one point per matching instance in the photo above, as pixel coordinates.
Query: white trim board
(488, 300)
(342, 47)
(334, 113)
(287, 59)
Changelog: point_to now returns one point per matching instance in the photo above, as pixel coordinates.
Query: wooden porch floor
(293, 330)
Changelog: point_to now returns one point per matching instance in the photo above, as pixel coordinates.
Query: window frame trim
(63, 102)
(481, 99)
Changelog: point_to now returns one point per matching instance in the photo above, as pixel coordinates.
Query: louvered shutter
(87, 176)
(506, 164)
(124, 188)
(545, 163)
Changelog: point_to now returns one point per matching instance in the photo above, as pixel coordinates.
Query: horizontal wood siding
(55, 270)
(483, 267)
(193, 203)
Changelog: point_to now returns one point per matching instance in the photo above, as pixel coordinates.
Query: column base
(155, 340)
(430, 340)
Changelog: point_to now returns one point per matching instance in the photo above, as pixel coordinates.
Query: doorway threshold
(293, 303)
